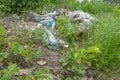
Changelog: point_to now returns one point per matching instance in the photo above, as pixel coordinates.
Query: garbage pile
(47, 21)
(84, 19)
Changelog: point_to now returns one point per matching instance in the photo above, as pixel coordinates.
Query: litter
(50, 39)
(47, 21)
(84, 19)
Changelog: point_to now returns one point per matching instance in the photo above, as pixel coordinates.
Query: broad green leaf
(7, 76)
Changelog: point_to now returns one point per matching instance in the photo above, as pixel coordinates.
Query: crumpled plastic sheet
(84, 19)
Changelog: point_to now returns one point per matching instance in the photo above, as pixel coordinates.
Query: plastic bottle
(50, 39)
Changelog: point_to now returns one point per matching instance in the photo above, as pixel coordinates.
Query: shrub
(19, 6)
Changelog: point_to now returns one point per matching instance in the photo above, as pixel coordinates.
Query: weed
(6, 74)
(79, 57)
(66, 30)
(3, 37)
(17, 50)
(22, 45)
(25, 51)
(39, 74)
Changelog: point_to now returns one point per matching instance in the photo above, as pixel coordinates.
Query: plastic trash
(37, 18)
(14, 17)
(84, 19)
(48, 23)
(83, 0)
(62, 43)
(50, 39)
(45, 20)
(49, 16)
(53, 15)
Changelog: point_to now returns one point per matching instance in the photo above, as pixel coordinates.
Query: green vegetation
(3, 36)
(6, 74)
(20, 45)
(96, 7)
(80, 58)
(16, 50)
(15, 6)
(98, 48)
(66, 30)
(106, 35)
(39, 74)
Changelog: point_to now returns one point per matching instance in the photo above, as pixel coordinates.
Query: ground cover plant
(95, 55)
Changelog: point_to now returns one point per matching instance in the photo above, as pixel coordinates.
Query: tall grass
(106, 35)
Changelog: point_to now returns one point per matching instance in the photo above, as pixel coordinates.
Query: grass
(106, 35)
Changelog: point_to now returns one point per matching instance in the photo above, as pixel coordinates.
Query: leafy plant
(24, 50)
(38, 33)
(66, 30)
(7, 74)
(79, 58)
(20, 48)
(16, 49)
(4, 55)
(23, 43)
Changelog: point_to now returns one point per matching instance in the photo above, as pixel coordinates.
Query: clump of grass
(106, 34)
